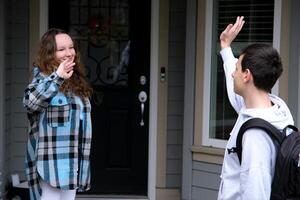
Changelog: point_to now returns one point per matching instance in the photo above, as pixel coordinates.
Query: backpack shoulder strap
(272, 131)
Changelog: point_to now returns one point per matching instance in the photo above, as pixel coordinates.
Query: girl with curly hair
(59, 112)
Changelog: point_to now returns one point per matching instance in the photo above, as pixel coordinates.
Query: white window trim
(276, 35)
(206, 140)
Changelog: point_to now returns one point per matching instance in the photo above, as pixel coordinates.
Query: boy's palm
(231, 31)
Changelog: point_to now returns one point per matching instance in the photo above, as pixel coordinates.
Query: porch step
(110, 197)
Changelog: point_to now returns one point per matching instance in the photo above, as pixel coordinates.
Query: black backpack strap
(290, 128)
(272, 131)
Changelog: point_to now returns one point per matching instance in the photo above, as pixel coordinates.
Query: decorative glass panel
(101, 30)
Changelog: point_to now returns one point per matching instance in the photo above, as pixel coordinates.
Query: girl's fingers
(70, 64)
(70, 73)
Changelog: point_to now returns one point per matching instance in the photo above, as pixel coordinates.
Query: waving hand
(231, 31)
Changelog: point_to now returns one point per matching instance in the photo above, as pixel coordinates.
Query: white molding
(277, 35)
(206, 141)
(154, 50)
(207, 74)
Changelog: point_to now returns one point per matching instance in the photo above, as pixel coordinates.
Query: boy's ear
(247, 75)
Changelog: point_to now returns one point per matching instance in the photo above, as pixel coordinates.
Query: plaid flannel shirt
(60, 135)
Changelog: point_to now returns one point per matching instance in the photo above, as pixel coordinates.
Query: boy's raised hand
(231, 31)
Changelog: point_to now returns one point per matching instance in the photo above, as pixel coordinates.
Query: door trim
(154, 55)
(42, 15)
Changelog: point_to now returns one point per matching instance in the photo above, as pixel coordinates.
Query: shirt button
(52, 76)
(59, 101)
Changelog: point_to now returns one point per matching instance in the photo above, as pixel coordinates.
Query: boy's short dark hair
(264, 62)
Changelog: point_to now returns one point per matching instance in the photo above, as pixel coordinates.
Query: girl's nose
(69, 53)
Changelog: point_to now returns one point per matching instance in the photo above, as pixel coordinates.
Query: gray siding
(7, 80)
(175, 92)
(206, 180)
(294, 62)
(2, 100)
(16, 71)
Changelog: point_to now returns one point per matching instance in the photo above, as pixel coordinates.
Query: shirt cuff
(57, 79)
(227, 54)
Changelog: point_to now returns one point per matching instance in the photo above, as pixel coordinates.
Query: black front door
(114, 40)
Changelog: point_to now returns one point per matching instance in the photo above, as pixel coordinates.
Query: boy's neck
(257, 99)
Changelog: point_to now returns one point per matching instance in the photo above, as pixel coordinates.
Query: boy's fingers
(238, 22)
(228, 27)
(241, 26)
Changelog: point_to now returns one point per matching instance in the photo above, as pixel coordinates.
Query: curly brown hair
(47, 63)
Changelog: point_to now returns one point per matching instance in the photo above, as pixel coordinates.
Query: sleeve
(39, 92)
(258, 163)
(229, 61)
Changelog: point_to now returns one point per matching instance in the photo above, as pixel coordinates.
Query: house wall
(294, 62)
(17, 76)
(205, 180)
(175, 77)
(2, 100)
(7, 96)
(16, 79)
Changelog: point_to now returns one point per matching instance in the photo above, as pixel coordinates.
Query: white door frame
(154, 49)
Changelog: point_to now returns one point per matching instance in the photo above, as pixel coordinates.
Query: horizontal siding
(18, 134)
(174, 93)
(203, 194)
(175, 77)
(17, 54)
(177, 64)
(206, 180)
(18, 105)
(2, 101)
(8, 89)
(174, 137)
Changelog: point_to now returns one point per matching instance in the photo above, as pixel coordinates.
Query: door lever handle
(142, 99)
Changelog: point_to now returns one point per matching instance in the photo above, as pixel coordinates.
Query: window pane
(259, 17)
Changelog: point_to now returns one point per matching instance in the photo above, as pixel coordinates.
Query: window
(218, 115)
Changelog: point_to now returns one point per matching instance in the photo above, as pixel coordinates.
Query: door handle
(142, 99)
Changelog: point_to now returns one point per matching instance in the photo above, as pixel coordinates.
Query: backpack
(286, 180)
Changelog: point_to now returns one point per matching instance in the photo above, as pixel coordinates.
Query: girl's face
(65, 48)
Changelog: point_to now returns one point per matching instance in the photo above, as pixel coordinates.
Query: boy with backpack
(249, 80)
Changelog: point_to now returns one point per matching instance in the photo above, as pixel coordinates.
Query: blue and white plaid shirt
(60, 136)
